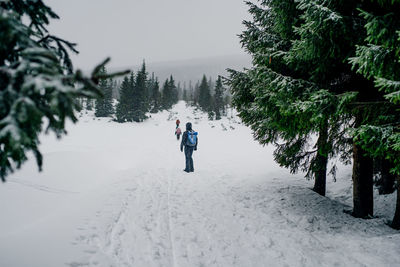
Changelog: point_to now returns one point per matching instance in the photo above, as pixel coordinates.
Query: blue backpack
(192, 138)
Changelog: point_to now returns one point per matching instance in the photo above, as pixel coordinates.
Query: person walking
(178, 133)
(189, 143)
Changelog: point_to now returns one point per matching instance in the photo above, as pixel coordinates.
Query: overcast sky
(156, 30)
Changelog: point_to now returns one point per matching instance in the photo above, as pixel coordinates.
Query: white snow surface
(116, 195)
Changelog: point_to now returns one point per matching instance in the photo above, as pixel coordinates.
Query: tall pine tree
(275, 99)
(166, 95)
(328, 34)
(302, 84)
(104, 103)
(204, 94)
(218, 98)
(378, 59)
(124, 106)
(174, 90)
(169, 93)
(139, 98)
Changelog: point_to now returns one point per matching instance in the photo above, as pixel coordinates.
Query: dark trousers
(189, 159)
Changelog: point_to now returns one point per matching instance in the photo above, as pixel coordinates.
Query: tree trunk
(396, 220)
(387, 179)
(321, 161)
(362, 183)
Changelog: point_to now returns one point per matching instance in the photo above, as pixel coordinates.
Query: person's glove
(195, 149)
(181, 149)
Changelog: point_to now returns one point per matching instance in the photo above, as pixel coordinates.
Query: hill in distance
(193, 69)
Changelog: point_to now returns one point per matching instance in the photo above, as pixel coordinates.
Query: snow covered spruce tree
(378, 59)
(104, 103)
(302, 84)
(175, 92)
(329, 33)
(134, 100)
(166, 95)
(169, 93)
(37, 81)
(204, 95)
(218, 98)
(124, 106)
(284, 97)
(139, 98)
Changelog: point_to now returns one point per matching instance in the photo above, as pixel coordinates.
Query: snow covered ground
(115, 195)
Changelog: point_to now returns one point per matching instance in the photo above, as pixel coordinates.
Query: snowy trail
(192, 222)
(128, 203)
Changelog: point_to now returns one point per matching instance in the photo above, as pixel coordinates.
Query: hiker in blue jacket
(189, 141)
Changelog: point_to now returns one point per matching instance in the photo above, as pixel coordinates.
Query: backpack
(191, 138)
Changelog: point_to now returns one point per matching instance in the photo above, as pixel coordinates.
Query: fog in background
(155, 30)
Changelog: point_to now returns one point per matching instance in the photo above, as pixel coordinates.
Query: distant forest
(139, 94)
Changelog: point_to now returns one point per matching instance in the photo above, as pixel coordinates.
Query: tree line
(211, 97)
(140, 94)
(324, 85)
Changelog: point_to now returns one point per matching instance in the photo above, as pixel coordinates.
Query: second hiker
(178, 133)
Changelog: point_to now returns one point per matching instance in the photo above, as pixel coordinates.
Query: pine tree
(139, 98)
(378, 59)
(155, 96)
(37, 79)
(124, 106)
(314, 62)
(169, 93)
(218, 98)
(327, 32)
(174, 91)
(165, 95)
(204, 95)
(300, 83)
(104, 103)
(265, 95)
